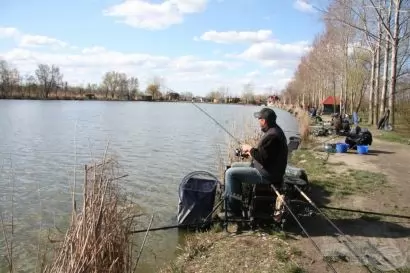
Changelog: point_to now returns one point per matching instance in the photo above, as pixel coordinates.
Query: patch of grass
(394, 137)
(366, 178)
(341, 214)
(281, 255)
(337, 182)
(371, 218)
(340, 163)
(401, 270)
(295, 251)
(292, 268)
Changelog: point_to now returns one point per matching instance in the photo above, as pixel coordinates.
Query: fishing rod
(220, 125)
(332, 224)
(303, 229)
(199, 225)
(343, 234)
(223, 128)
(366, 212)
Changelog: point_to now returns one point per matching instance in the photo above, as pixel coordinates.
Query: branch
(382, 19)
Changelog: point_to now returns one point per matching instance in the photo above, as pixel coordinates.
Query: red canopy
(331, 100)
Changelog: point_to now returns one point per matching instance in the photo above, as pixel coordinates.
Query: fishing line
(335, 227)
(223, 128)
(217, 123)
(303, 229)
(366, 212)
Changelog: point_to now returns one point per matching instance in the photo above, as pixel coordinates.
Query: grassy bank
(269, 250)
(337, 180)
(395, 137)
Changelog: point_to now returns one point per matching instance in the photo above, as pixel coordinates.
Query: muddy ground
(382, 243)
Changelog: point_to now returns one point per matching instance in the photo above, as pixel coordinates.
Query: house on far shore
(198, 99)
(145, 98)
(90, 96)
(331, 105)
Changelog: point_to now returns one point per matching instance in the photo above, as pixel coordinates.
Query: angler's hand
(246, 148)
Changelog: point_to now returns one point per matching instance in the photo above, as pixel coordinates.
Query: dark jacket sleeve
(261, 154)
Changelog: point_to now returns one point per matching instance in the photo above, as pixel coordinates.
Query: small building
(197, 99)
(173, 96)
(90, 96)
(146, 98)
(331, 105)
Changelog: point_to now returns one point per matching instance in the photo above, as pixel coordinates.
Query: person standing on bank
(268, 164)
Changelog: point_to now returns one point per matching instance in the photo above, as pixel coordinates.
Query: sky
(191, 45)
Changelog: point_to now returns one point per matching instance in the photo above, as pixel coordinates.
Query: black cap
(267, 114)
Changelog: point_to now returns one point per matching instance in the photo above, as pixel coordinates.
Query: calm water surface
(156, 144)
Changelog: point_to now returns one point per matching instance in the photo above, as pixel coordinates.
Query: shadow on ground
(379, 152)
(319, 194)
(364, 227)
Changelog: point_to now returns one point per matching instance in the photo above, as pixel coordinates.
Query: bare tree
(49, 78)
(133, 88)
(248, 93)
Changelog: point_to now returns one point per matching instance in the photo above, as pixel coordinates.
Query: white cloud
(253, 74)
(303, 6)
(154, 16)
(26, 40)
(8, 32)
(264, 50)
(89, 64)
(282, 73)
(38, 40)
(181, 73)
(229, 37)
(275, 51)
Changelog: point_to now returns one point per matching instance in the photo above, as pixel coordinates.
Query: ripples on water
(157, 144)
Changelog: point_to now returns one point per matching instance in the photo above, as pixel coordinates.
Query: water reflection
(44, 145)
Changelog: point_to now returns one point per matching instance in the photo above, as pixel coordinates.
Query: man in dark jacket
(268, 165)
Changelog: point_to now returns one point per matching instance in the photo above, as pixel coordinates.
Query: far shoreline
(122, 100)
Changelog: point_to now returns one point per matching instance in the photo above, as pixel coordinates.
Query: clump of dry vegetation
(223, 252)
(98, 238)
(301, 115)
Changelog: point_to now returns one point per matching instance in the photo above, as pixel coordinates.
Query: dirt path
(383, 243)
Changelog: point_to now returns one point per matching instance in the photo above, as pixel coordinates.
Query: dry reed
(301, 115)
(98, 238)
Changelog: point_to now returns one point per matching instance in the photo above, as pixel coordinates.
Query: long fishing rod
(332, 224)
(366, 212)
(343, 234)
(198, 225)
(220, 125)
(216, 122)
(303, 229)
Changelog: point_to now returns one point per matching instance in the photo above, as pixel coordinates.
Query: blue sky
(193, 45)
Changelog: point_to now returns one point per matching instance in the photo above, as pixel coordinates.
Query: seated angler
(268, 164)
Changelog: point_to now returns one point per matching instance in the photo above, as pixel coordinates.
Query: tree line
(47, 82)
(362, 57)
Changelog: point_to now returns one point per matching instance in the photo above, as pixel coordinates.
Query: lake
(156, 144)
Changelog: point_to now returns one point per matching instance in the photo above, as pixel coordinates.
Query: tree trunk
(346, 57)
(385, 78)
(372, 81)
(386, 65)
(395, 45)
(377, 73)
